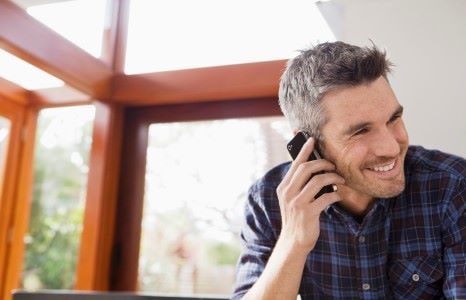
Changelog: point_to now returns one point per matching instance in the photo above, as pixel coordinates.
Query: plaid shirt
(412, 246)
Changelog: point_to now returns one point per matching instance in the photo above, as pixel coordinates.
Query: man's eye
(361, 131)
(394, 118)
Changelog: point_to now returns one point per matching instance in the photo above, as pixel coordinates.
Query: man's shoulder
(435, 175)
(263, 200)
(263, 191)
(273, 177)
(421, 160)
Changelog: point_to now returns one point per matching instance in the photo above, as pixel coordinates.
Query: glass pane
(197, 177)
(4, 132)
(24, 74)
(182, 34)
(60, 173)
(80, 21)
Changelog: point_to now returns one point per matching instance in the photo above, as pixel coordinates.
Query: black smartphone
(294, 147)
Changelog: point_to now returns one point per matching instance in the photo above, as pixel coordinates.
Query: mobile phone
(294, 147)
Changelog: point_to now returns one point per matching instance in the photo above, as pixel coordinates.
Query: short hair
(320, 69)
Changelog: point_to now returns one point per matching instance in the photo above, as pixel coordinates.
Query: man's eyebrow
(358, 126)
(397, 112)
(355, 127)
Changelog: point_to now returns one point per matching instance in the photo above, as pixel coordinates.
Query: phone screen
(294, 147)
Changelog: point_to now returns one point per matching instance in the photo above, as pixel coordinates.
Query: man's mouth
(383, 168)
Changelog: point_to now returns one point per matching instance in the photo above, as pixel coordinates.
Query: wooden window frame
(125, 256)
(16, 190)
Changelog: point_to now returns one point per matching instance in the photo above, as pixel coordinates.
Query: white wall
(426, 39)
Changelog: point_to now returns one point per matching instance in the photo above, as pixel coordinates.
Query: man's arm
(300, 230)
(454, 239)
(282, 274)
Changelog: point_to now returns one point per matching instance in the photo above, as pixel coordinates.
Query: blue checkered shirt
(412, 246)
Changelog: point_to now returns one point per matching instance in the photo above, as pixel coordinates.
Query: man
(395, 227)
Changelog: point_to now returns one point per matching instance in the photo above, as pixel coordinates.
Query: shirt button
(415, 277)
(361, 239)
(366, 286)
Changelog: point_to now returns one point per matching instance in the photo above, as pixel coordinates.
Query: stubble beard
(374, 187)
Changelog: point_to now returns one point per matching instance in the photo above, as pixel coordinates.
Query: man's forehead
(364, 103)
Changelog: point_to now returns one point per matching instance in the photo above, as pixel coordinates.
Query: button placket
(366, 286)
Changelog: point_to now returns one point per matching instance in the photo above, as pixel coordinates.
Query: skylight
(183, 34)
(80, 21)
(24, 74)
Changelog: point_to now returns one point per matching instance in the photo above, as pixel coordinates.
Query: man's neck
(353, 201)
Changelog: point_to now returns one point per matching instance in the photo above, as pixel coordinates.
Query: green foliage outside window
(223, 254)
(60, 174)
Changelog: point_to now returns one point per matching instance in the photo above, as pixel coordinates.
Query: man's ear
(295, 131)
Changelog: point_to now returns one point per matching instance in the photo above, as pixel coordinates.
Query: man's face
(365, 138)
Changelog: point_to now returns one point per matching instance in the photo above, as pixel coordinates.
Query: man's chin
(381, 190)
(389, 194)
(393, 190)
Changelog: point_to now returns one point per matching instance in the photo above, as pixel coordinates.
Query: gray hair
(320, 69)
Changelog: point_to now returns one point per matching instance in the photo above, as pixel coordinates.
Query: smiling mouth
(383, 168)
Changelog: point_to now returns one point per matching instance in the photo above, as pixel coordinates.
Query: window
(183, 34)
(197, 177)
(24, 74)
(80, 21)
(60, 173)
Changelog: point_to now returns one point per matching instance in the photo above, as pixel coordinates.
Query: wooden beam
(125, 256)
(95, 254)
(93, 267)
(263, 107)
(13, 92)
(244, 81)
(8, 172)
(115, 35)
(22, 202)
(35, 43)
(59, 96)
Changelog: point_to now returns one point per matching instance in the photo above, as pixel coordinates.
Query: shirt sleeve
(454, 240)
(257, 241)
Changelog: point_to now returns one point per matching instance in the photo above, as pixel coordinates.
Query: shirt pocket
(416, 278)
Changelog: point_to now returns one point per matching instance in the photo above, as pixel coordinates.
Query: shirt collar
(378, 210)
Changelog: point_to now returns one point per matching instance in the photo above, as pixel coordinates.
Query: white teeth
(384, 168)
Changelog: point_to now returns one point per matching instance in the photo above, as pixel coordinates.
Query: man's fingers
(305, 171)
(325, 200)
(317, 182)
(297, 181)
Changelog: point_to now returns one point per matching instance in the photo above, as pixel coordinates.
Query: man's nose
(385, 144)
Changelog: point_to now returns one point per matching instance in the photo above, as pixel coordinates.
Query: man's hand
(300, 225)
(299, 209)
